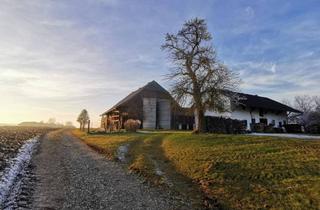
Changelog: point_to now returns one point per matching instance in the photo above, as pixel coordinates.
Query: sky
(58, 57)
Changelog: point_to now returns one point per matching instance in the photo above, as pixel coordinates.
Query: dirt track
(69, 175)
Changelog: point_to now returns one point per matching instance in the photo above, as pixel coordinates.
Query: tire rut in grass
(177, 183)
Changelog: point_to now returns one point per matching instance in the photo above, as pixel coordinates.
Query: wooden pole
(88, 126)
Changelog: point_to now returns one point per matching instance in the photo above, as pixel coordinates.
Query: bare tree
(199, 78)
(83, 118)
(310, 118)
(313, 125)
(292, 117)
(317, 103)
(304, 103)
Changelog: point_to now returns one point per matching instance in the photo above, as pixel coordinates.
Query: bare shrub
(132, 125)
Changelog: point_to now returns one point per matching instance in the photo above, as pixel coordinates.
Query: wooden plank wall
(164, 114)
(149, 113)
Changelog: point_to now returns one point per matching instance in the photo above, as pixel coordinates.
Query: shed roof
(151, 86)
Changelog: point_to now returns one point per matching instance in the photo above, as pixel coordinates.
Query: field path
(70, 175)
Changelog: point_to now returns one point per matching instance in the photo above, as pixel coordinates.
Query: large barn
(153, 106)
(156, 109)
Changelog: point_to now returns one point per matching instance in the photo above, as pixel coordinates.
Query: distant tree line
(50, 123)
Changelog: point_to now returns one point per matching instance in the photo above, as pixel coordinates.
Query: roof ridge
(152, 84)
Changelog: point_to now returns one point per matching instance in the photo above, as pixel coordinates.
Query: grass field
(234, 171)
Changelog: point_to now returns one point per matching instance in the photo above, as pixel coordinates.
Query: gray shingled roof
(264, 103)
(151, 86)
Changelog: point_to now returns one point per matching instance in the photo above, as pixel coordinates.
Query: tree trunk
(89, 126)
(200, 121)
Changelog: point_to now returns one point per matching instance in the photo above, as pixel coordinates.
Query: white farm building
(254, 109)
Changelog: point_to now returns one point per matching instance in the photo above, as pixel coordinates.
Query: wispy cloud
(57, 57)
(46, 59)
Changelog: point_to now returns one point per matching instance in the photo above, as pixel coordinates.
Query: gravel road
(70, 175)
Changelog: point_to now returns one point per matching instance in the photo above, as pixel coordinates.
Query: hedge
(224, 125)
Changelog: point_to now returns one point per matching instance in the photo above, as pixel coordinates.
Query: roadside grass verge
(234, 171)
(108, 144)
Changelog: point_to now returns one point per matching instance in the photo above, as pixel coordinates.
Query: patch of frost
(16, 168)
(122, 152)
(159, 172)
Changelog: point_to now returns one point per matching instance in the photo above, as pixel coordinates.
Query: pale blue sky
(57, 57)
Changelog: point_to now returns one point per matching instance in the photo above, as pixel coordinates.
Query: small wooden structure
(113, 121)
